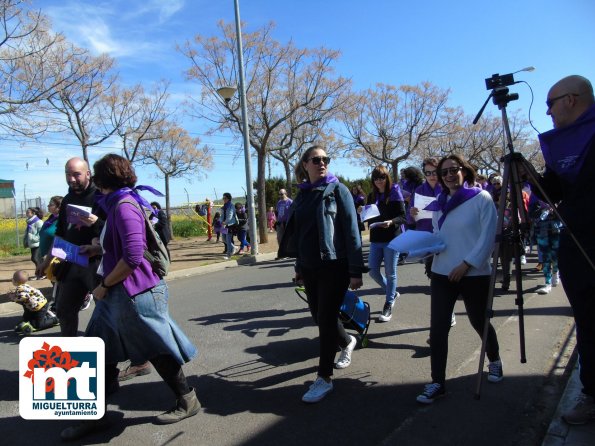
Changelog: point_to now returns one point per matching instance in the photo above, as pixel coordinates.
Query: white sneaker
(345, 356)
(317, 391)
(523, 260)
(555, 279)
(453, 320)
(545, 289)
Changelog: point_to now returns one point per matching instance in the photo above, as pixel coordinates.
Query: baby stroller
(354, 313)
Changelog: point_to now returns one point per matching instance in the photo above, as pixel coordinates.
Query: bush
(184, 226)
(8, 241)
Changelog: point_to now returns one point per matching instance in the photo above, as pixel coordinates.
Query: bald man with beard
(569, 153)
(75, 281)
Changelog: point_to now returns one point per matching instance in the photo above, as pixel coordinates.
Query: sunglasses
(550, 102)
(316, 160)
(450, 170)
(379, 177)
(430, 173)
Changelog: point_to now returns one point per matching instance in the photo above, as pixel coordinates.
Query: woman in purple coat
(131, 312)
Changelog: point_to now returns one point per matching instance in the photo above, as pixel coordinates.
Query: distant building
(7, 198)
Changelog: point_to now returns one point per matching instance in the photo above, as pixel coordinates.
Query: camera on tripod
(498, 81)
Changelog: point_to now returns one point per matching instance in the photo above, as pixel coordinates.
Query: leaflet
(68, 251)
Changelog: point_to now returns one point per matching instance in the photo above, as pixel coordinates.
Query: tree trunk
(287, 178)
(262, 201)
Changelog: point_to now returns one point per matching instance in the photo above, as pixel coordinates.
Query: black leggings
(325, 288)
(474, 290)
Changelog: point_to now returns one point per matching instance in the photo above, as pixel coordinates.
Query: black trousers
(72, 289)
(474, 290)
(40, 319)
(578, 280)
(325, 288)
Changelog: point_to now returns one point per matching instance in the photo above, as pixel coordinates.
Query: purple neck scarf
(50, 220)
(393, 195)
(427, 191)
(107, 202)
(445, 205)
(32, 221)
(329, 178)
(565, 149)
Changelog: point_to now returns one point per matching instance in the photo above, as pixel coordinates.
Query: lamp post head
(226, 93)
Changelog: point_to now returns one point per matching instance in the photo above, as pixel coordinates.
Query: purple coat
(125, 238)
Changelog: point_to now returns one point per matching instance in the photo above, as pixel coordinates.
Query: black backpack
(156, 252)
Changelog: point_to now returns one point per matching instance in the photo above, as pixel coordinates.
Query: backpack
(202, 210)
(156, 253)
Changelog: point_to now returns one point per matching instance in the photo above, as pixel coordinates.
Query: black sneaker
(495, 374)
(387, 313)
(430, 393)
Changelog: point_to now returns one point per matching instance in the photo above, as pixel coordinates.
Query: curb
(12, 308)
(558, 430)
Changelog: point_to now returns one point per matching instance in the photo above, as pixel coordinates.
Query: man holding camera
(569, 153)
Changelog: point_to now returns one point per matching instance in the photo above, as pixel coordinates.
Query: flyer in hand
(68, 251)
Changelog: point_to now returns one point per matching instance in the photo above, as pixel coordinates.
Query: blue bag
(355, 313)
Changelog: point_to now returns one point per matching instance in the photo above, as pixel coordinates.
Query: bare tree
(484, 145)
(34, 63)
(287, 88)
(390, 124)
(175, 155)
(145, 116)
(94, 107)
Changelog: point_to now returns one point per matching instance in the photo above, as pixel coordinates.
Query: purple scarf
(445, 205)
(565, 149)
(107, 202)
(50, 220)
(32, 221)
(393, 195)
(329, 178)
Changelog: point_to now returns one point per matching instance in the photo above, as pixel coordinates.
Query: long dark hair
(376, 173)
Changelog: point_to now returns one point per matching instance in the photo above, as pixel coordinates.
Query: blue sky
(453, 44)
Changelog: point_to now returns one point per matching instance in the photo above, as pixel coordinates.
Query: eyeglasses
(318, 159)
(430, 173)
(379, 177)
(550, 102)
(450, 170)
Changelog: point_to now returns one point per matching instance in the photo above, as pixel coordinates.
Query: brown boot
(187, 406)
(134, 370)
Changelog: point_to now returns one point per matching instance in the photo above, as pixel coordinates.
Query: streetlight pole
(226, 93)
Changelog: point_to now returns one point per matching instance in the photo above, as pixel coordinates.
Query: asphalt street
(258, 353)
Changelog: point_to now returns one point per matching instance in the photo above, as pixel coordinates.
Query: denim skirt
(138, 328)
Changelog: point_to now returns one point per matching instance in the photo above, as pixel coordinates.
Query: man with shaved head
(75, 281)
(569, 153)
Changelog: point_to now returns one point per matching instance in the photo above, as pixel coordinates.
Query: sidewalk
(196, 256)
(189, 256)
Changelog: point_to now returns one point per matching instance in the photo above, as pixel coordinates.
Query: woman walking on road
(322, 234)
(466, 222)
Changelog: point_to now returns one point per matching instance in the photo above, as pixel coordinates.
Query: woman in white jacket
(31, 239)
(465, 219)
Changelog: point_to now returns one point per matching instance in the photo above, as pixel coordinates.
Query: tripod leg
(490, 303)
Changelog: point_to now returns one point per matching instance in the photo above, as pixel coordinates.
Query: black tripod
(515, 168)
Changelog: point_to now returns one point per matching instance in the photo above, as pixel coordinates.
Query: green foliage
(188, 227)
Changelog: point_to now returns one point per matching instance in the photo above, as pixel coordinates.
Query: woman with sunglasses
(383, 228)
(322, 234)
(465, 219)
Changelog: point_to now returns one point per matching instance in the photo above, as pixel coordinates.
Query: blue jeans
(388, 281)
(229, 244)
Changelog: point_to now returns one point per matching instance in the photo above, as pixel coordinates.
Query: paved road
(258, 352)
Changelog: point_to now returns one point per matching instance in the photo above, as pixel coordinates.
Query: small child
(36, 315)
(217, 225)
(271, 219)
